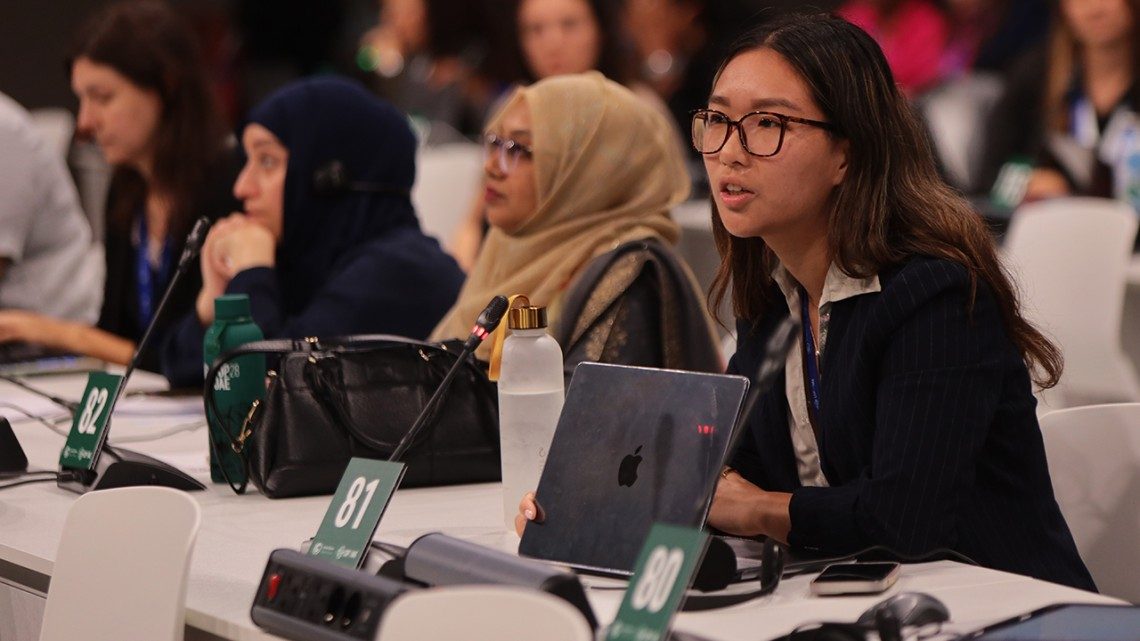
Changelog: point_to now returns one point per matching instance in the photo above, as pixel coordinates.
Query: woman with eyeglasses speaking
(580, 176)
(905, 416)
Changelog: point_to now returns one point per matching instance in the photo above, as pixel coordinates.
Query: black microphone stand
(774, 556)
(122, 467)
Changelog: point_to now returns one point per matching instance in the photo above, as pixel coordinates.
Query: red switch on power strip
(272, 587)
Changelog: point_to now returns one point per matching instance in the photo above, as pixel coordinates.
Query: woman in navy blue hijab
(329, 243)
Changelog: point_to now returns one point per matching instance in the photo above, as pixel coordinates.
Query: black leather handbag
(329, 400)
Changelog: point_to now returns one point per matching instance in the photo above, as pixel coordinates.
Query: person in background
(48, 262)
(912, 33)
(144, 98)
(678, 44)
(988, 35)
(320, 256)
(559, 37)
(1090, 101)
(903, 416)
(444, 62)
(581, 175)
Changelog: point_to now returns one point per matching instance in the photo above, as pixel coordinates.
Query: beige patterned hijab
(608, 171)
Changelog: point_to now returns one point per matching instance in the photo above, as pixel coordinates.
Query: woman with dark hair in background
(558, 37)
(144, 98)
(904, 415)
(321, 257)
(1090, 102)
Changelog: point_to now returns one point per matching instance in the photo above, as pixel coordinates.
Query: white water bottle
(530, 399)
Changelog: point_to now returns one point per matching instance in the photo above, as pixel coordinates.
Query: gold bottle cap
(526, 317)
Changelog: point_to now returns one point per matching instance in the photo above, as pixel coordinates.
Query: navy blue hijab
(322, 120)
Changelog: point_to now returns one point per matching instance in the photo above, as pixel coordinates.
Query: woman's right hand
(529, 510)
(215, 273)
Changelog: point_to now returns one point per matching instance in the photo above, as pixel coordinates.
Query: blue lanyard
(810, 363)
(1083, 123)
(147, 278)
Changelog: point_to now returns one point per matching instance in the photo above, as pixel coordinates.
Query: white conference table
(238, 533)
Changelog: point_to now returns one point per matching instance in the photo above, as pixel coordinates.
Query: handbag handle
(311, 344)
(284, 346)
(324, 391)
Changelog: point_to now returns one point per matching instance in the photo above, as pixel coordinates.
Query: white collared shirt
(837, 286)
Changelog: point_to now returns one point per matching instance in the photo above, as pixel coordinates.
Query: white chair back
(956, 113)
(121, 567)
(448, 178)
(482, 613)
(1069, 258)
(1094, 460)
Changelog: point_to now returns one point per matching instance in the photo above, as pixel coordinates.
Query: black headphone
(332, 179)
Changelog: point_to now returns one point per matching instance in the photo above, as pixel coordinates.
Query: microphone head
(194, 241)
(198, 231)
(493, 313)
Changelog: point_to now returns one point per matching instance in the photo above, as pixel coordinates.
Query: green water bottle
(237, 384)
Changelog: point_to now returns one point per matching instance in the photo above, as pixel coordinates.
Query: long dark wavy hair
(150, 45)
(894, 204)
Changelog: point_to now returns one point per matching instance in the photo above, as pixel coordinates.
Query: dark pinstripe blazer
(928, 435)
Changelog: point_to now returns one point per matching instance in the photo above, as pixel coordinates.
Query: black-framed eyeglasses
(761, 132)
(507, 151)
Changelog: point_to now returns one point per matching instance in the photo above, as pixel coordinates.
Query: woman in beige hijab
(580, 177)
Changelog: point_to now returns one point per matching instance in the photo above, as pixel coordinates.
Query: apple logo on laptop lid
(627, 470)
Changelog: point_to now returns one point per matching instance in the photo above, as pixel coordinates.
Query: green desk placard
(663, 572)
(354, 513)
(90, 422)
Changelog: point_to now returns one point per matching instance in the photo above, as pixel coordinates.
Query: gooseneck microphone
(773, 556)
(132, 468)
(775, 354)
(486, 323)
(190, 251)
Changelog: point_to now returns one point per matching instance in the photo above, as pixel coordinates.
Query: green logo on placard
(355, 511)
(79, 452)
(663, 572)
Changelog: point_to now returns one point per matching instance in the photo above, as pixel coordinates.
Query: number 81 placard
(355, 510)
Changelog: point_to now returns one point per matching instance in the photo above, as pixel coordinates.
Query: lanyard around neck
(146, 277)
(811, 363)
(1083, 123)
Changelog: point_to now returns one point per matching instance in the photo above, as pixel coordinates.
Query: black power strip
(304, 598)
